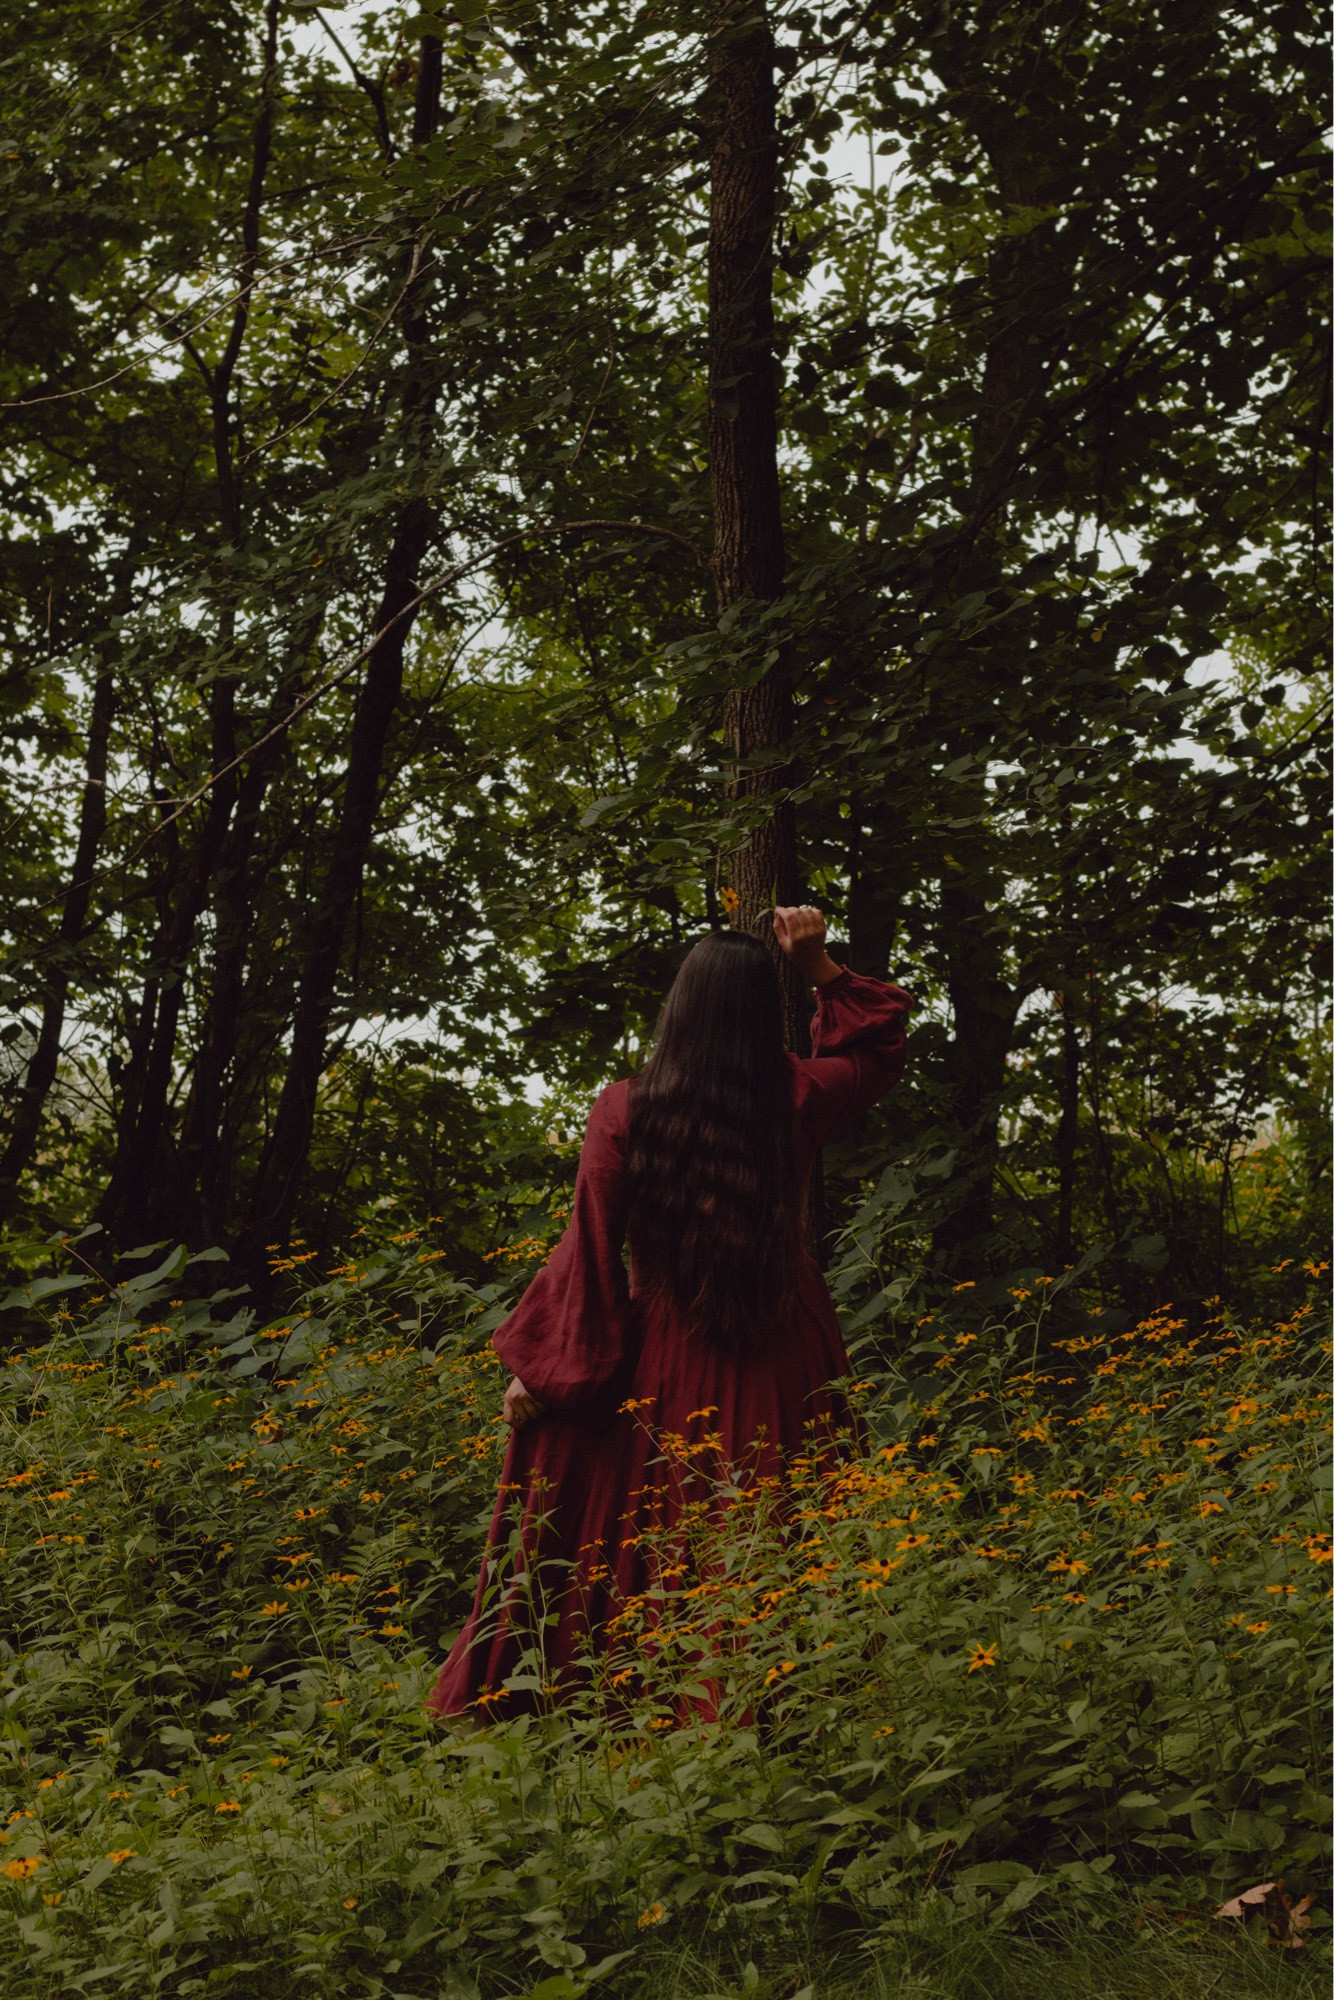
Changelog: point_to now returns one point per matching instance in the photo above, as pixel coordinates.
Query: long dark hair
(713, 1223)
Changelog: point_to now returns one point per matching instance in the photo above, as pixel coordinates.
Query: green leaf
(41, 1288)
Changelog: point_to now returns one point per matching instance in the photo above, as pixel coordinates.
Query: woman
(725, 1328)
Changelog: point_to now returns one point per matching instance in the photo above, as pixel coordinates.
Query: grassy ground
(1183, 1963)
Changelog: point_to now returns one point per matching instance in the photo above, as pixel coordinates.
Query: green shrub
(1041, 1658)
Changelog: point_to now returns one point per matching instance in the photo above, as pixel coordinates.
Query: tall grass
(1009, 1698)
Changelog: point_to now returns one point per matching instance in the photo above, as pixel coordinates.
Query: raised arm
(858, 1036)
(801, 932)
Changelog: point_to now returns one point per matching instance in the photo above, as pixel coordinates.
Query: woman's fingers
(795, 922)
(519, 1407)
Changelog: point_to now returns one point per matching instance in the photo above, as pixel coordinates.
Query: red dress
(585, 1346)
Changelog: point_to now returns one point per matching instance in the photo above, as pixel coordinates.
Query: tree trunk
(743, 462)
(1067, 1131)
(278, 1184)
(137, 1197)
(875, 899)
(203, 1190)
(1028, 285)
(142, 1191)
(41, 1071)
(983, 1006)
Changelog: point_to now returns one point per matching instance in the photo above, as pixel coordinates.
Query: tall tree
(278, 1183)
(142, 1180)
(42, 1063)
(748, 554)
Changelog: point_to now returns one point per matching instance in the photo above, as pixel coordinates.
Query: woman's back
(573, 1340)
(620, 1368)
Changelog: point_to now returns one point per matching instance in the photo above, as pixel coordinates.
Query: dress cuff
(844, 972)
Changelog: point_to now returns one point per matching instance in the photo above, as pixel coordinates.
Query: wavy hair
(713, 1222)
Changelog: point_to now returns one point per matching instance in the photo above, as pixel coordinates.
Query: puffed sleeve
(574, 1326)
(858, 1049)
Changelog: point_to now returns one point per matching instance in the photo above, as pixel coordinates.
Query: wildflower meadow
(1011, 1696)
(492, 498)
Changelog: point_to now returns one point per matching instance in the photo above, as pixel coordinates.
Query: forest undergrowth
(1034, 1678)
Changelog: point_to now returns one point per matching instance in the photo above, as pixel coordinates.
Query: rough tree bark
(41, 1072)
(278, 1183)
(141, 1191)
(743, 461)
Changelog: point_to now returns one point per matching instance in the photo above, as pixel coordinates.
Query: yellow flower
(1260, 1625)
(981, 1656)
(228, 1805)
(242, 1673)
(223, 1738)
(274, 1610)
(349, 1902)
(119, 1854)
(879, 1568)
(655, 1912)
(392, 1631)
(20, 1870)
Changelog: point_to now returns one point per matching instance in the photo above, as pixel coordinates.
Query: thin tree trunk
(1028, 284)
(142, 1189)
(41, 1071)
(743, 462)
(873, 909)
(278, 1184)
(1067, 1130)
(1103, 1153)
(204, 1159)
(983, 1006)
